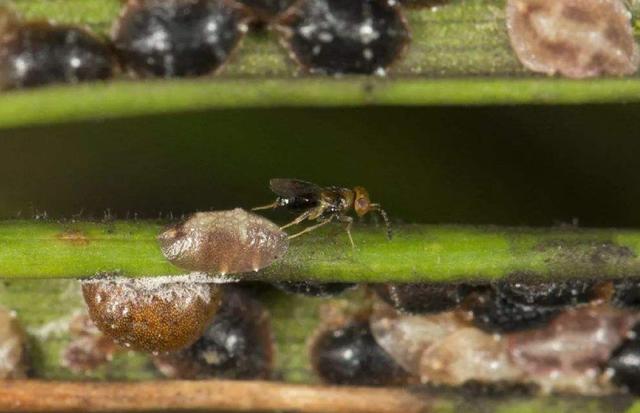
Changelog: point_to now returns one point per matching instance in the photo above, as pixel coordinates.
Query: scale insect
(322, 204)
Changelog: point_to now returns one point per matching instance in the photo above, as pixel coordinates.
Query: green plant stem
(459, 54)
(417, 253)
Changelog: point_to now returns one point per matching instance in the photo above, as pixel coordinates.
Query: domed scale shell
(574, 38)
(40, 53)
(349, 354)
(151, 314)
(223, 242)
(237, 344)
(177, 38)
(339, 37)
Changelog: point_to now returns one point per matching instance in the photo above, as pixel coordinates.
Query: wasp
(322, 204)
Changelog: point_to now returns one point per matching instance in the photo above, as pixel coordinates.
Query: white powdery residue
(54, 328)
(182, 290)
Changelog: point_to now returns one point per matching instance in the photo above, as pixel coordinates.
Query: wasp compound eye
(151, 314)
(223, 242)
(40, 53)
(337, 36)
(177, 38)
(575, 38)
(237, 344)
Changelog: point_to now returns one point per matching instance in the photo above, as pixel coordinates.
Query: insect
(337, 36)
(223, 242)
(151, 313)
(237, 344)
(575, 38)
(37, 53)
(322, 204)
(177, 38)
(350, 355)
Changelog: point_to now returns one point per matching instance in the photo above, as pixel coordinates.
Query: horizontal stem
(246, 396)
(230, 396)
(418, 253)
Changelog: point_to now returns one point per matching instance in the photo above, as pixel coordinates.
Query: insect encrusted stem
(417, 253)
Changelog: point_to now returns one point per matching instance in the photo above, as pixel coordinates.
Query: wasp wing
(294, 188)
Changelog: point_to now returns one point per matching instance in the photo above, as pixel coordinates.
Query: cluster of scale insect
(589, 345)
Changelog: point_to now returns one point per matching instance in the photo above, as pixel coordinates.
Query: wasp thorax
(177, 38)
(151, 314)
(223, 242)
(575, 38)
(337, 36)
(13, 364)
(41, 53)
(237, 344)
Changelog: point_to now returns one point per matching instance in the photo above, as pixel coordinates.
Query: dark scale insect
(313, 289)
(237, 344)
(177, 38)
(421, 298)
(626, 293)
(624, 364)
(323, 204)
(512, 306)
(351, 355)
(41, 53)
(337, 36)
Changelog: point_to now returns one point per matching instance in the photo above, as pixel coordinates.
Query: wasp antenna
(385, 217)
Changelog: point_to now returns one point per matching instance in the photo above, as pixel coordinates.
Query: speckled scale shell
(337, 36)
(41, 53)
(223, 242)
(177, 38)
(574, 38)
(146, 315)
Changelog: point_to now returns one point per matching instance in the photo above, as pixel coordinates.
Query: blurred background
(536, 165)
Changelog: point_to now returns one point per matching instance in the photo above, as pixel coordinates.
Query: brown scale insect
(322, 204)
(152, 314)
(575, 38)
(223, 242)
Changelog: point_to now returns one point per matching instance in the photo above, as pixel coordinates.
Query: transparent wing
(290, 188)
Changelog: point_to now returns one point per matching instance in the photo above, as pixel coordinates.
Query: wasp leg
(298, 220)
(273, 205)
(349, 223)
(311, 228)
